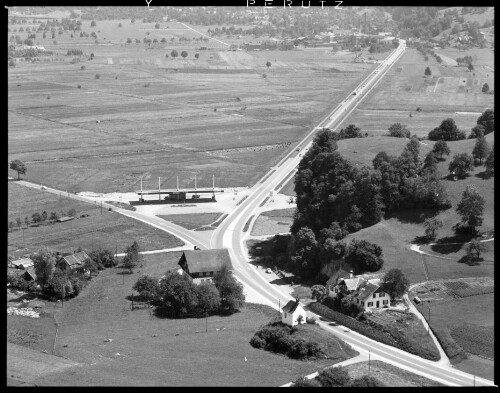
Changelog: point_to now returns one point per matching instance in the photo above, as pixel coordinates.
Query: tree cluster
(175, 294)
(485, 124)
(337, 377)
(74, 52)
(447, 131)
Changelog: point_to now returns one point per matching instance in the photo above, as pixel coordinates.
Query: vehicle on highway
(268, 270)
(354, 93)
(347, 330)
(43, 188)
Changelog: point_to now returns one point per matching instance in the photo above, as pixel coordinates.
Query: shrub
(311, 321)
(366, 381)
(79, 86)
(305, 382)
(97, 76)
(257, 342)
(334, 377)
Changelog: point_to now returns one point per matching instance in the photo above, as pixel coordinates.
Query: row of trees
(177, 295)
(37, 218)
(448, 130)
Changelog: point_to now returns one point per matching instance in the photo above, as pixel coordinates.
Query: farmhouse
(365, 291)
(23, 263)
(291, 313)
(201, 265)
(72, 261)
(29, 274)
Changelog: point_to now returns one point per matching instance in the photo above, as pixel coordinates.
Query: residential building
(201, 265)
(72, 261)
(23, 263)
(291, 312)
(371, 296)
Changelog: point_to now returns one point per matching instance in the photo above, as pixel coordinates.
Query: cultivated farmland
(109, 230)
(152, 116)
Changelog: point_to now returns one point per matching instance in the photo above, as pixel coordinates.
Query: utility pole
(24, 244)
(369, 362)
(206, 322)
(159, 195)
(429, 321)
(279, 306)
(101, 208)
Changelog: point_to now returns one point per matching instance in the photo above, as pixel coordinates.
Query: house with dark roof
(291, 312)
(372, 296)
(72, 261)
(201, 265)
(29, 274)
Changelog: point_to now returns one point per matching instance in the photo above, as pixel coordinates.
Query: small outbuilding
(64, 219)
(291, 313)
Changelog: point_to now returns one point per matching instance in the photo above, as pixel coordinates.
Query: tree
(481, 149)
(27, 221)
(473, 251)
(319, 292)
(196, 55)
(129, 40)
(59, 285)
(12, 63)
(93, 24)
(432, 226)
(184, 54)
(441, 147)
(91, 266)
(208, 297)
(36, 217)
(103, 257)
(230, 290)
(176, 294)
(470, 67)
(486, 88)
(447, 131)
(487, 121)
(379, 159)
(268, 64)
(471, 208)
(399, 130)
(334, 377)
(351, 131)
(53, 216)
(119, 25)
(461, 165)
(72, 212)
(157, 26)
(44, 262)
(430, 163)
(364, 256)
(43, 216)
(12, 224)
(132, 258)
(147, 287)
(174, 53)
(82, 67)
(19, 167)
(427, 71)
(395, 283)
(490, 162)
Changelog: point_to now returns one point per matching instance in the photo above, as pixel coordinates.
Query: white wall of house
(377, 300)
(290, 319)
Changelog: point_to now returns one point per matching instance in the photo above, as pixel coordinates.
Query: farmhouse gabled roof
(353, 284)
(31, 273)
(367, 291)
(291, 306)
(206, 260)
(23, 263)
(74, 260)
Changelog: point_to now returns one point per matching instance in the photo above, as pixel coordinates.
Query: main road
(230, 235)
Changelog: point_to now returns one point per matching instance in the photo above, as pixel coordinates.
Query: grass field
(109, 230)
(192, 221)
(160, 117)
(160, 352)
(389, 375)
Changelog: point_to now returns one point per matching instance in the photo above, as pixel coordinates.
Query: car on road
(347, 330)
(43, 188)
(268, 270)
(354, 93)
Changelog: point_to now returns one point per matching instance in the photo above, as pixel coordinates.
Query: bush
(97, 76)
(366, 381)
(257, 342)
(305, 382)
(334, 377)
(311, 321)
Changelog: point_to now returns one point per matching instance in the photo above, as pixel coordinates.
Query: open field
(160, 117)
(109, 230)
(192, 221)
(439, 96)
(143, 349)
(469, 320)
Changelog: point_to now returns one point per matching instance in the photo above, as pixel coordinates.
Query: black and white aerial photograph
(276, 193)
